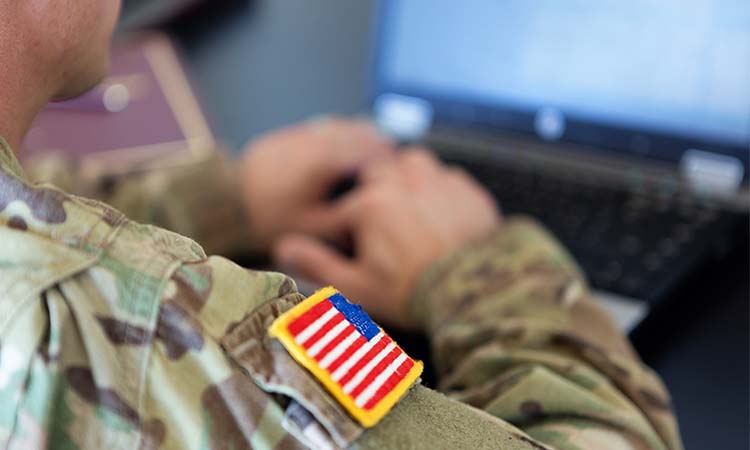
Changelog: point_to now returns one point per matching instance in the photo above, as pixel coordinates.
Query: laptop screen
(652, 77)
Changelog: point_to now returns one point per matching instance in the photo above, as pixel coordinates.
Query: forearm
(515, 332)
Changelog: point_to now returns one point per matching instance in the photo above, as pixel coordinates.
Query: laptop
(623, 126)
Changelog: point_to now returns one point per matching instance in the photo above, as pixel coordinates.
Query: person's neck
(19, 105)
(23, 93)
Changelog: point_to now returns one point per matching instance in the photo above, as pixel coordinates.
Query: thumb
(311, 258)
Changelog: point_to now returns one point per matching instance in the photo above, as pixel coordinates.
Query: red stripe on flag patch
(309, 317)
(393, 380)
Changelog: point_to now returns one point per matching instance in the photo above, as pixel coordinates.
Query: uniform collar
(8, 161)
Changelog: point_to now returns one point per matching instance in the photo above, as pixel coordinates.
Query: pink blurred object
(142, 116)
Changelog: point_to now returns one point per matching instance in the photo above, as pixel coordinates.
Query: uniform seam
(74, 270)
(148, 351)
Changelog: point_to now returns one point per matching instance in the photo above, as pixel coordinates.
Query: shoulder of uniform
(70, 235)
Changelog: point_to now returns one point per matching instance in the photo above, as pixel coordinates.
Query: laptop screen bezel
(476, 113)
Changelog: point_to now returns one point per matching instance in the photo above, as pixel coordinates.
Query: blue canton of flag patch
(356, 361)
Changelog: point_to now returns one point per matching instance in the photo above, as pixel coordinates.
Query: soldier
(115, 334)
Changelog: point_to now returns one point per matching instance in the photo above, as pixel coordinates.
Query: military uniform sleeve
(193, 386)
(201, 200)
(118, 359)
(516, 333)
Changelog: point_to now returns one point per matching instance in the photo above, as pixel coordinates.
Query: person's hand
(406, 213)
(286, 177)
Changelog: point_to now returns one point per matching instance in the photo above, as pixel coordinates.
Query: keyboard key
(631, 245)
(652, 262)
(631, 285)
(667, 248)
(682, 233)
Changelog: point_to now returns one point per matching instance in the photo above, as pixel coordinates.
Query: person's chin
(83, 83)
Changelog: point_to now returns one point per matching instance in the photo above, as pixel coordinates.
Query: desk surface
(269, 63)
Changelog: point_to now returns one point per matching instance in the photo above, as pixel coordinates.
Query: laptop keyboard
(631, 244)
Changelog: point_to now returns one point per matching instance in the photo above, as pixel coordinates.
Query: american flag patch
(356, 361)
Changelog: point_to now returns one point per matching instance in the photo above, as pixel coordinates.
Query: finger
(360, 205)
(385, 170)
(418, 159)
(460, 174)
(312, 259)
(324, 222)
(349, 145)
(337, 222)
(409, 163)
(341, 127)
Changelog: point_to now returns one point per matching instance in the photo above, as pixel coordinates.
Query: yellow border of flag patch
(368, 418)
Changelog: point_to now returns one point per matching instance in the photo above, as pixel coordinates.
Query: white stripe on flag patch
(328, 337)
(367, 394)
(314, 327)
(339, 350)
(339, 373)
(354, 382)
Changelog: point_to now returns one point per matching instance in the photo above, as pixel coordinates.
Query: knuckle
(334, 121)
(378, 171)
(462, 175)
(374, 199)
(457, 172)
(417, 163)
(325, 126)
(419, 156)
(266, 140)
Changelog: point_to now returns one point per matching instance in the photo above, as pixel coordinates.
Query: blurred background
(624, 128)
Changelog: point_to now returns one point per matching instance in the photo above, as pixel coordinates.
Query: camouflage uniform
(118, 335)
